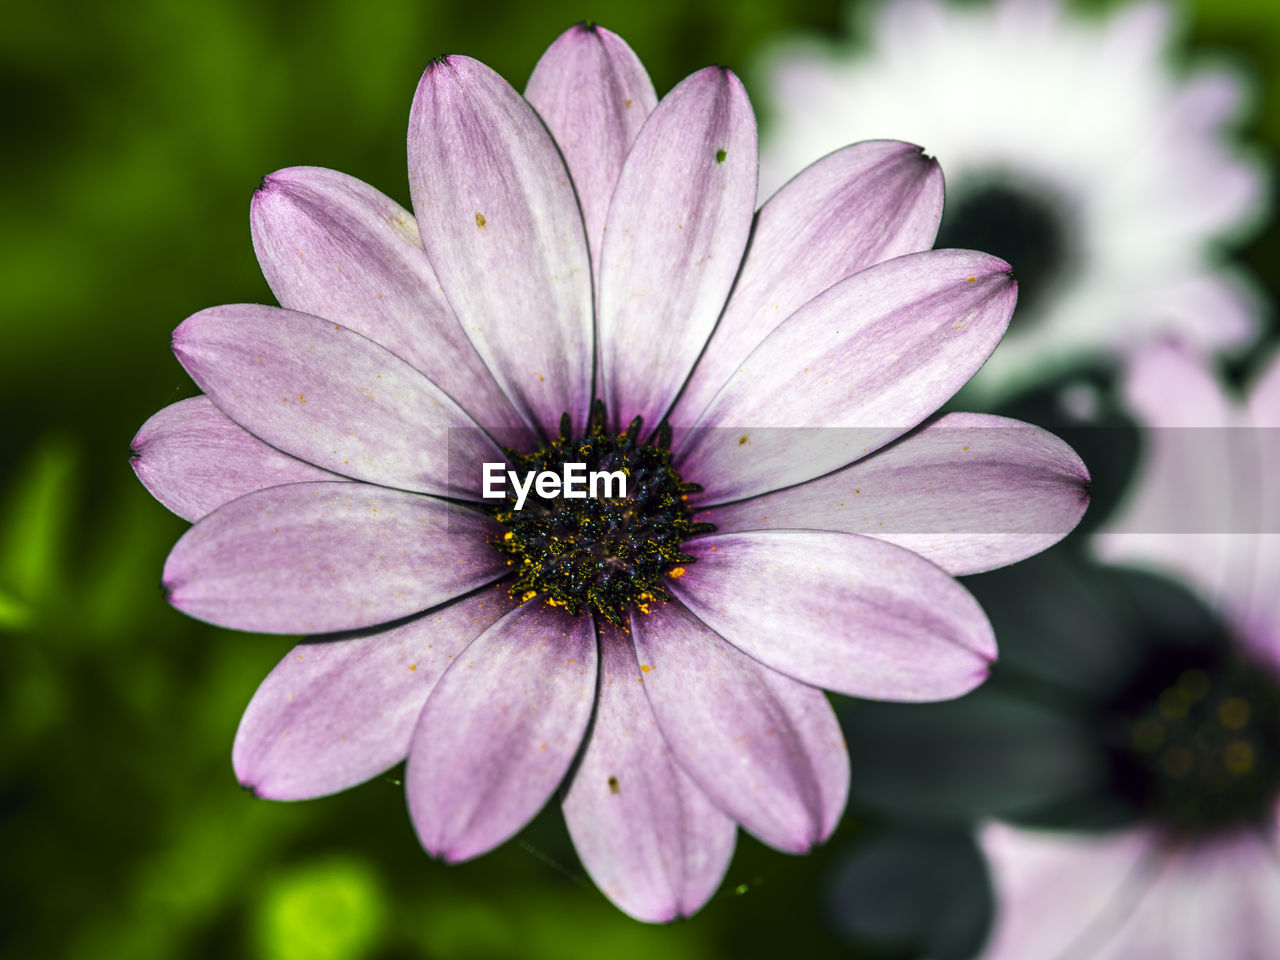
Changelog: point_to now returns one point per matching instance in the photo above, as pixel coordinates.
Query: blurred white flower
(1072, 149)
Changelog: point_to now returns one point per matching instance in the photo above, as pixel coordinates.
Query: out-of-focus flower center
(1027, 225)
(1205, 751)
(602, 553)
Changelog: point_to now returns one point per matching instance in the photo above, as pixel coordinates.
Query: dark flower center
(1028, 226)
(1203, 750)
(602, 553)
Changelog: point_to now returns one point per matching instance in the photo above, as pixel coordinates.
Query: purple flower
(592, 242)
(1198, 876)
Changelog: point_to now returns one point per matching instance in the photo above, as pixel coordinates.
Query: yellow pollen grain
(971, 280)
(1238, 757)
(676, 573)
(508, 535)
(1193, 684)
(413, 666)
(645, 667)
(480, 221)
(1233, 713)
(529, 596)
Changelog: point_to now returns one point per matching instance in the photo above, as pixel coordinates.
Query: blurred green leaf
(330, 910)
(38, 512)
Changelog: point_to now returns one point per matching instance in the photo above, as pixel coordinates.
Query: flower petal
(322, 557)
(869, 202)
(500, 730)
(331, 397)
(1216, 898)
(674, 239)
(1260, 601)
(1053, 888)
(335, 712)
(968, 492)
(594, 95)
(193, 459)
(333, 246)
(1196, 482)
(651, 840)
(766, 749)
(865, 362)
(849, 613)
(501, 225)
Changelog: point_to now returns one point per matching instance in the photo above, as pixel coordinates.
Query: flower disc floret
(1203, 748)
(606, 553)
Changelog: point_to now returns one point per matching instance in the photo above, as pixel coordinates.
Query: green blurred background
(135, 134)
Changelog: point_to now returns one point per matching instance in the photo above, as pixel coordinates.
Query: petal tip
(449, 856)
(180, 336)
(804, 843)
(982, 674)
(170, 587)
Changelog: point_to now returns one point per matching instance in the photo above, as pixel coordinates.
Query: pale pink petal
(1259, 611)
(329, 396)
(766, 749)
(1197, 484)
(969, 492)
(193, 459)
(1216, 898)
(649, 837)
(850, 371)
(849, 613)
(869, 202)
(332, 246)
(500, 223)
(335, 712)
(674, 239)
(1063, 892)
(500, 729)
(594, 95)
(322, 557)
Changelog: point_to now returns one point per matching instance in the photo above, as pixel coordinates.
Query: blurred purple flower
(1073, 148)
(676, 657)
(1200, 877)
